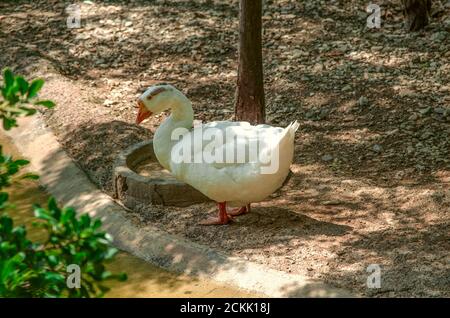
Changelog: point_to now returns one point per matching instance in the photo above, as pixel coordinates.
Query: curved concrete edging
(132, 189)
(70, 186)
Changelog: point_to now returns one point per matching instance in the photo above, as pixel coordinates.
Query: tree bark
(417, 13)
(250, 104)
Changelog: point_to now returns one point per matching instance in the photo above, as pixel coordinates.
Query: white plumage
(239, 182)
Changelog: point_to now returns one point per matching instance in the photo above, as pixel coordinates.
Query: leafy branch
(19, 98)
(31, 269)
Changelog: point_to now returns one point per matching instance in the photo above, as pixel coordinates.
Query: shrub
(39, 269)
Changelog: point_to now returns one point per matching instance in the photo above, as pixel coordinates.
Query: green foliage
(19, 98)
(39, 269)
(29, 269)
(10, 167)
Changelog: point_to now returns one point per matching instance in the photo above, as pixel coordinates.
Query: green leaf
(109, 237)
(52, 205)
(104, 289)
(8, 77)
(69, 214)
(122, 277)
(6, 224)
(97, 223)
(85, 220)
(53, 260)
(35, 87)
(3, 197)
(79, 257)
(111, 252)
(30, 176)
(41, 213)
(21, 162)
(45, 103)
(22, 84)
(9, 123)
(20, 231)
(106, 275)
(27, 111)
(54, 277)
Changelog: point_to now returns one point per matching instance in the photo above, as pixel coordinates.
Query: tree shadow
(95, 147)
(405, 269)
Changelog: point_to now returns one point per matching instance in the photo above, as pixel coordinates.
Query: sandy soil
(371, 175)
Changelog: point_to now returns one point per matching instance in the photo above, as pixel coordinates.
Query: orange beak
(143, 112)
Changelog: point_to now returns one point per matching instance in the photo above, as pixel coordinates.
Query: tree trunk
(250, 86)
(417, 13)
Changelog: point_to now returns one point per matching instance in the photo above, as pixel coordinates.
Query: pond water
(144, 279)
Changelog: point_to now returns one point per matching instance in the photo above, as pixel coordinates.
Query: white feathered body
(238, 182)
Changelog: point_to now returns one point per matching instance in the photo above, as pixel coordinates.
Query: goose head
(156, 99)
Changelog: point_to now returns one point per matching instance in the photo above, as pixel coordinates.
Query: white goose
(230, 181)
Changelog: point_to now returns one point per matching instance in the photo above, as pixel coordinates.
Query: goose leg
(221, 219)
(240, 211)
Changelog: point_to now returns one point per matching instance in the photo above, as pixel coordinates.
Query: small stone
(299, 53)
(419, 167)
(438, 36)
(347, 88)
(363, 101)
(447, 22)
(426, 135)
(327, 158)
(413, 117)
(108, 103)
(318, 67)
(323, 113)
(343, 48)
(377, 148)
(439, 110)
(331, 202)
(310, 114)
(324, 48)
(410, 150)
(425, 111)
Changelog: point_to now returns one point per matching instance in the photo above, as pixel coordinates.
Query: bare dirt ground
(371, 182)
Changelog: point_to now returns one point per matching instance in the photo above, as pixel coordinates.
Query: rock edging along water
(70, 186)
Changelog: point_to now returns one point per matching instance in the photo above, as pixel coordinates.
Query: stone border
(70, 186)
(133, 189)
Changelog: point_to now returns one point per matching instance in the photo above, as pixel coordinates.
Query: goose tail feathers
(292, 128)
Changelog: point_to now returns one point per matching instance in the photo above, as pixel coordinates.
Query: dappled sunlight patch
(354, 136)
(373, 57)
(443, 176)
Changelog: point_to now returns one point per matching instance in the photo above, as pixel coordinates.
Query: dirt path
(371, 180)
